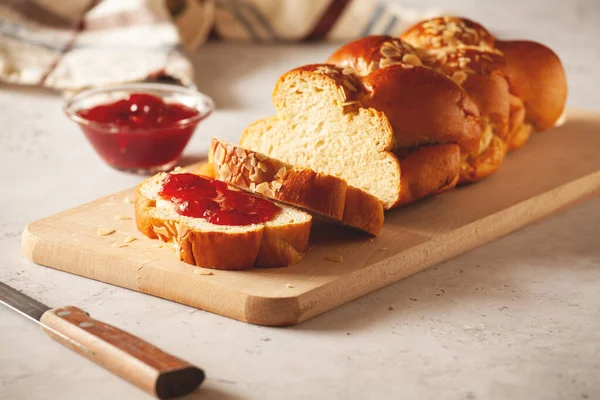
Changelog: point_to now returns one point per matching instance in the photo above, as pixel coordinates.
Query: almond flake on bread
(279, 242)
(323, 194)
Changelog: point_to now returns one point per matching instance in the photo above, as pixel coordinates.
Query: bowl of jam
(139, 127)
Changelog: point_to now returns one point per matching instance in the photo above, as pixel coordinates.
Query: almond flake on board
(202, 271)
(102, 231)
(129, 239)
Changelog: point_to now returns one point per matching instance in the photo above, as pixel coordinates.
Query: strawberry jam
(140, 131)
(198, 197)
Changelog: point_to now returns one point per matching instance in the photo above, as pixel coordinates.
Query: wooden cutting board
(554, 170)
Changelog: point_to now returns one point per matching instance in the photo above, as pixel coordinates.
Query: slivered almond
(262, 166)
(129, 239)
(261, 157)
(276, 185)
(247, 164)
(237, 179)
(263, 188)
(253, 160)
(348, 85)
(219, 154)
(241, 153)
(281, 173)
(161, 230)
(102, 231)
(389, 50)
(202, 271)
(225, 172)
(411, 59)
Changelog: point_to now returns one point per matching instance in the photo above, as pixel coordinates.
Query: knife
(123, 354)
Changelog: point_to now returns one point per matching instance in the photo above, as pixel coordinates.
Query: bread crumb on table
(122, 217)
(129, 239)
(202, 271)
(127, 200)
(102, 231)
(335, 258)
(119, 245)
(289, 285)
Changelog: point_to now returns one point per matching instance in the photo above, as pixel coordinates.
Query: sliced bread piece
(322, 125)
(278, 242)
(319, 193)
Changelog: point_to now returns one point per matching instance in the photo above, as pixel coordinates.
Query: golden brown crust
(363, 211)
(428, 170)
(536, 75)
(423, 106)
(479, 166)
(258, 246)
(315, 192)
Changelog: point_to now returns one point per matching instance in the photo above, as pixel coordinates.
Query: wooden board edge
(29, 243)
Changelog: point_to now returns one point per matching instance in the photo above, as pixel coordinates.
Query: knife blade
(133, 359)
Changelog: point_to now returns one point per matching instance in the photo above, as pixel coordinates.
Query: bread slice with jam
(212, 225)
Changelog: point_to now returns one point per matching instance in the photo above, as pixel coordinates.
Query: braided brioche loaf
(405, 118)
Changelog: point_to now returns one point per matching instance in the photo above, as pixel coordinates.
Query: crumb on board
(289, 286)
(127, 200)
(119, 245)
(122, 217)
(129, 239)
(102, 231)
(334, 258)
(384, 249)
(202, 271)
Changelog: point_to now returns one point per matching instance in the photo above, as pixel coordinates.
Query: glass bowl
(143, 149)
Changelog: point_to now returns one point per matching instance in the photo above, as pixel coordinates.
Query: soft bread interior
(318, 129)
(165, 210)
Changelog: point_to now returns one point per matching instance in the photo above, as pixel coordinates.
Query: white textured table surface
(518, 318)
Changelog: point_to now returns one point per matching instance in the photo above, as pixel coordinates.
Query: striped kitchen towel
(73, 44)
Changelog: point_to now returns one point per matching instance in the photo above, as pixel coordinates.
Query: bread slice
(322, 127)
(326, 195)
(279, 242)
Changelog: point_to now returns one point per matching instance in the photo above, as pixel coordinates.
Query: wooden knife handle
(128, 356)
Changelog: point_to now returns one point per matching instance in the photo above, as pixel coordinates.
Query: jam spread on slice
(140, 131)
(198, 197)
(139, 111)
